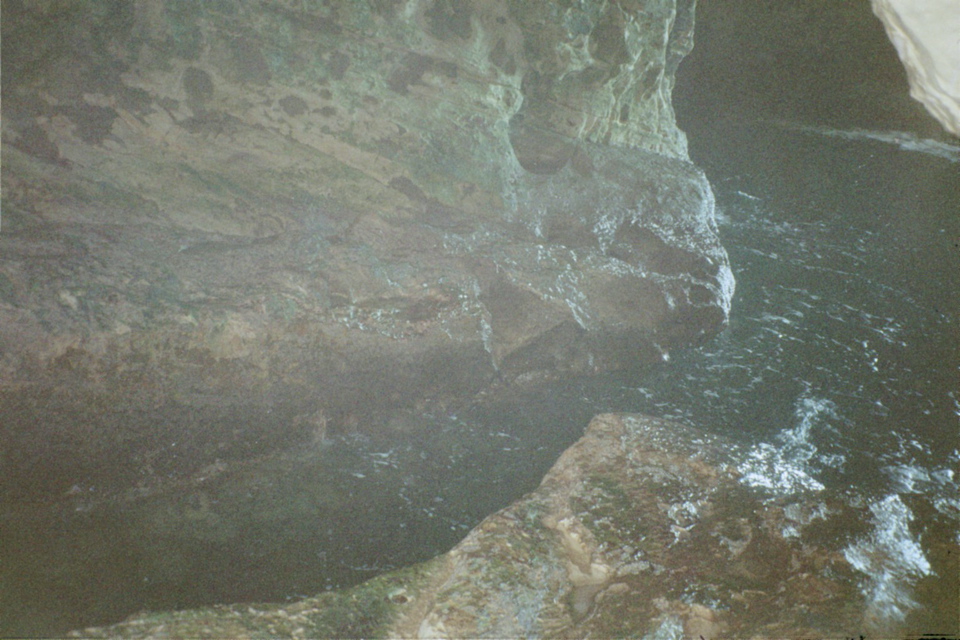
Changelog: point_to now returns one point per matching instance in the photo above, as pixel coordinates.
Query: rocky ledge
(234, 227)
(641, 529)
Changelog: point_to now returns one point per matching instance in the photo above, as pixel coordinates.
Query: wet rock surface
(229, 225)
(641, 528)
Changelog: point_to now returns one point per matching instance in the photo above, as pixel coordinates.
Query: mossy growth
(606, 510)
(364, 611)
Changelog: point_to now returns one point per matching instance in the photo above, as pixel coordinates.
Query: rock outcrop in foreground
(235, 226)
(641, 527)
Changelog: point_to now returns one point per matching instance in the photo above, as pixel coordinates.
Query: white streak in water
(904, 139)
(891, 558)
(784, 470)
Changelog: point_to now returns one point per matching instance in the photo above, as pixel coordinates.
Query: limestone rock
(925, 34)
(641, 527)
(221, 217)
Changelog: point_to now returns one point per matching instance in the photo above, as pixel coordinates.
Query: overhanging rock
(226, 221)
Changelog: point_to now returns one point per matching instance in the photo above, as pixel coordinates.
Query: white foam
(785, 470)
(937, 484)
(670, 629)
(728, 286)
(891, 558)
(906, 140)
(767, 467)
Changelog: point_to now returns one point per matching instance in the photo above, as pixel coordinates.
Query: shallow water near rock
(839, 367)
(838, 371)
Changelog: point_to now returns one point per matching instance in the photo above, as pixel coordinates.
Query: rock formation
(223, 220)
(234, 228)
(641, 529)
(926, 34)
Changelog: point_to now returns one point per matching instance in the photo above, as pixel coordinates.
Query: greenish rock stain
(8, 290)
(282, 307)
(608, 511)
(364, 611)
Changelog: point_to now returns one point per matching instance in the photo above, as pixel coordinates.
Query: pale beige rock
(926, 34)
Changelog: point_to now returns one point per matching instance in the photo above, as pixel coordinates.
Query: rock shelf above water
(642, 527)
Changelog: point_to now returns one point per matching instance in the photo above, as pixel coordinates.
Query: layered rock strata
(229, 226)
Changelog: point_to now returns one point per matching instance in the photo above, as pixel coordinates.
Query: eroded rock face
(641, 527)
(228, 223)
(924, 33)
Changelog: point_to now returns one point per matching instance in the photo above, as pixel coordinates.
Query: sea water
(838, 371)
(840, 367)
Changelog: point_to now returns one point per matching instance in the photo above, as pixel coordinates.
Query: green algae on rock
(640, 528)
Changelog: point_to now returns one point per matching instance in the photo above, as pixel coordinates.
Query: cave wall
(232, 226)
